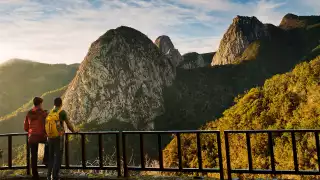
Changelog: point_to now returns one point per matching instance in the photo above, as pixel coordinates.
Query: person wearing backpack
(55, 131)
(34, 124)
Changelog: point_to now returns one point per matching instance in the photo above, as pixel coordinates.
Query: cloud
(313, 5)
(61, 31)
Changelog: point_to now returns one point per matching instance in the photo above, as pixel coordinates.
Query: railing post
(220, 155)
(100, 150)
(316, 133)
(66, 152)
(28, 155)
(270, 142)
(226, 139)
(83, 150)
(160, 151)
(10, 151)
(179, 150)
(118, 153)
(124, 154)
(294, 149)
(249, 150)
(142, 151)
(199, 150)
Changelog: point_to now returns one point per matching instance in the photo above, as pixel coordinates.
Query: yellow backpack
(52, 125)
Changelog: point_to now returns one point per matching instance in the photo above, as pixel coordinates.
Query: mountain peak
(291, 16)
(122, 79)
(164, 41)
(245, 20)
(125, 33)
(292, 21)
(166, 46)
(243, 31)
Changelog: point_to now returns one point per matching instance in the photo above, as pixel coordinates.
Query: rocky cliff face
(242, 32)
(121, 78)
(166, 46)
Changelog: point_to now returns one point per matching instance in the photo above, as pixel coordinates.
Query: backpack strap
(59, 111)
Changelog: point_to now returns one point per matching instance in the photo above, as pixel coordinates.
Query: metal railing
(273, 170)
(101, 166)
(160, 155)
(67, 165)
(122, 158)
(9, 151)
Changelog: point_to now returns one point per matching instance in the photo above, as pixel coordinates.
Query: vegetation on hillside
(200, 95)
(21, 80)
(287, 101)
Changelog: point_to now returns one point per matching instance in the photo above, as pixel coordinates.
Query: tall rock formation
(121, 78)
(242, 32)
(166, 46)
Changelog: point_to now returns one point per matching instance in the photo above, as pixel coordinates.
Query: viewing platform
(123, 169)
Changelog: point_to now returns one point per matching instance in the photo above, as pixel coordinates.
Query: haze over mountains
(128, 82)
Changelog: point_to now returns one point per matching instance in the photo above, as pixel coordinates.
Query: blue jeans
(56, 146)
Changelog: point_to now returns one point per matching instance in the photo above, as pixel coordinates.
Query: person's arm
(26, 124)
(44, 120)
(69, 124)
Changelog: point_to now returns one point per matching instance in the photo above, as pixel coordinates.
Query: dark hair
(37, 101)
(58, 102)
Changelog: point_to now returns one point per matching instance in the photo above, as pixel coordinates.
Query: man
(34, 125)
(55, 131)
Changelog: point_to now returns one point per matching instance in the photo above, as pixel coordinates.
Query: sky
(61, 31)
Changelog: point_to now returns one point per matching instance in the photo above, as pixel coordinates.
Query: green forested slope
(200, 95)
(287, 101)
(21, 80)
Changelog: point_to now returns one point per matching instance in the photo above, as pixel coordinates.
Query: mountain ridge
(21, 80)
(292, 21)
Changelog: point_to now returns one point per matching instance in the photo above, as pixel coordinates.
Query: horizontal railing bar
(14, 134)
(87, 167)
(13, 167)
(93, 168)
(97, 132)
(182, 131)
(90, 132)
(131, 168)
(169, 132)
(272, 130)
(267, 171)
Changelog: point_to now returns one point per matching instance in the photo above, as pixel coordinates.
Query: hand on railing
(76, 131)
